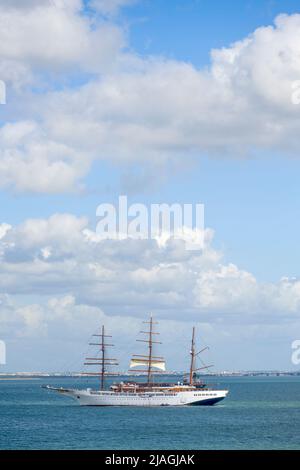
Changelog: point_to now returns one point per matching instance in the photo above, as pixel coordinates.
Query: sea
(259, 413)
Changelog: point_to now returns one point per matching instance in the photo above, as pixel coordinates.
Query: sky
(189, 101)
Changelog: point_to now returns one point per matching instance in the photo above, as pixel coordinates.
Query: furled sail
(142, 362)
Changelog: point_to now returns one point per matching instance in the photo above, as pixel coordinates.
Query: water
(260, 413)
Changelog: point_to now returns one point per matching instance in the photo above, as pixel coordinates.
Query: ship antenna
(102, 361)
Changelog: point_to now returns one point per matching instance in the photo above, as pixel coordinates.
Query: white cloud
(33, 319)
(154, 112)
(51, 37)
(243, 102)
(30, 163)
(60, 256)
(4, 228)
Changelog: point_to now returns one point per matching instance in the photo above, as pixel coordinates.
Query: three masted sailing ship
(147, 393)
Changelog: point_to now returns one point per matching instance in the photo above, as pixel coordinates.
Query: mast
(194, 354)
(192, 366)
(148, 360)
(150, 349)
(102, 361)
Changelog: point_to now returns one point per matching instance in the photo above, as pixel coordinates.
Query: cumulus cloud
(146, 112)
(62, 256)
(53, 318)
(51, 37)
(30, 163)
(242, 102)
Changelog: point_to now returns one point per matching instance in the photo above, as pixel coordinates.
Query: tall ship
(150, 392)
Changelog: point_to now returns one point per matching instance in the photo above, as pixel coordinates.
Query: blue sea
(259, 413)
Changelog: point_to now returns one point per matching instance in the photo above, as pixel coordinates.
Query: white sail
(154, 363)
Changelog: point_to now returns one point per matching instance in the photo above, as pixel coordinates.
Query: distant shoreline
(20, 378)
(33, 376)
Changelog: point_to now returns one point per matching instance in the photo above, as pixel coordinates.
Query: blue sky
(140, 110)
(188, 29)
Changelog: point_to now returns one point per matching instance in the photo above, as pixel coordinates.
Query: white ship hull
(195, 397)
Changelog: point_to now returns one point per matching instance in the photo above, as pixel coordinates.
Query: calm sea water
(260, 413)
